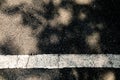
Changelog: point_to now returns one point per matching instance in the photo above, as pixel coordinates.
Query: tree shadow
(71, 38)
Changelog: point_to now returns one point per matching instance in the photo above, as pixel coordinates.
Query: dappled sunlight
(107, 76)
(83, 2)
(54, 39)
(93, 40)
(57, 2)
(64, 16)
(17, 2)
(49, 26)
(82, 16)
(21, 36)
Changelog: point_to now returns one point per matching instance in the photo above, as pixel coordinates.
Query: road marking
(61, 61)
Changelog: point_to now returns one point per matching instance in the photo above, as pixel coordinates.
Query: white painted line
(83, 61)
(26, 61)
(62, 61)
